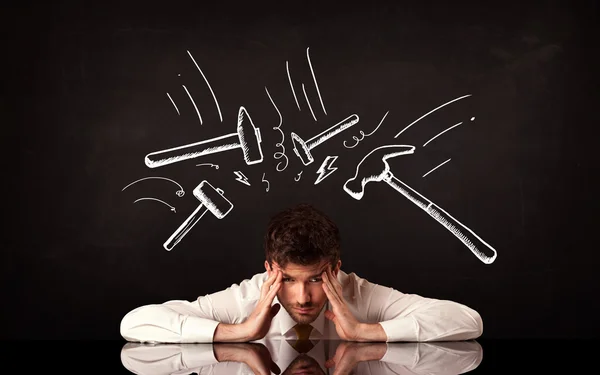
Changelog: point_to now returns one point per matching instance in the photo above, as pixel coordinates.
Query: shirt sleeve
(430, 358)
(180, 321)
(413, 318)
(170, 359)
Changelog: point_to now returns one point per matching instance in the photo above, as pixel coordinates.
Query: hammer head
(249, 138)
(213, 199)
(301, 149)
(374, 167)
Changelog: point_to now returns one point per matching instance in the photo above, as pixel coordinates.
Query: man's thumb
(275, 309)
(329, 315)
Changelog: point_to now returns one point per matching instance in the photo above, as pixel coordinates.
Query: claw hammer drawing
(374, 167)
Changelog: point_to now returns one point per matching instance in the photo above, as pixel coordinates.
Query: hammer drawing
(247, 138)
(374, 167)
(212, 200)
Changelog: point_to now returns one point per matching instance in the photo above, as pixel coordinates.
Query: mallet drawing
(302, 148)
(247, 138)
(374, 167)
(212, 200)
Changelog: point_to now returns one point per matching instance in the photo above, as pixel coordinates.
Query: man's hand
(346, 325)
(256, 326)
(258, 323)
(254, 355)
(348, 355)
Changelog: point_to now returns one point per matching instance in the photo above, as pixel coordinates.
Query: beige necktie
(303, 344)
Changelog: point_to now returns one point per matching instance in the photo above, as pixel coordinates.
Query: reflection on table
(322, 357)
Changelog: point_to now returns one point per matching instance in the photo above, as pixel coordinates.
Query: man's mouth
(304, 310)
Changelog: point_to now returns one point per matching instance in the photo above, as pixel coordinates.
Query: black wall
(86, 99)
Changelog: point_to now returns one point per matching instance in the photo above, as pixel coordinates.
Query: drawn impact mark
(279, 154)
(325, 170)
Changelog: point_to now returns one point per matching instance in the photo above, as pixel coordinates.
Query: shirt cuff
(402, 329)
(399, 355)
(198, 330)
(198, 355)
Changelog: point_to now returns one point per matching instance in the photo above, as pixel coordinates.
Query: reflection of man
(338, 357)
(305, 365)
(302, 247)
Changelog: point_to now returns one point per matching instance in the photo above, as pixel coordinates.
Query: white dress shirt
(401, 358)
(404, 317)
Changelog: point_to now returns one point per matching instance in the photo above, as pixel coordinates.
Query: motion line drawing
(325, 170)
(174, 105)
(287, 68)
(158, 200)
(247, 138)
(303, 148)
(315, 80)
(179, 192)
(208, 84)
(308, 102)
(279, 154)
(432, 138)
(436, 168)
(241, 178)
(450, 128)
(212, 200)
(363, 135)
(374, 167)
(430, 112)
(215, 166)
(194, 103)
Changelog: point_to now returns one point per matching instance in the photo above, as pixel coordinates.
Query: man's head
(302, 242)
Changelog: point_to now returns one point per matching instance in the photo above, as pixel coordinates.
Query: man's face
(301, 293)
(304, 364)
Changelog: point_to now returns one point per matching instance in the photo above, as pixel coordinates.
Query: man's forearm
(231, 333)
(371, 332)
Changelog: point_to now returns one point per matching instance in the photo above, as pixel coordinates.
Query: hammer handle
(192, 150)
(185, 227)
(481, 249)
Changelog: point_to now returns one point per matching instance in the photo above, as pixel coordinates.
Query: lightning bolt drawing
(241, 178)
(326, 167)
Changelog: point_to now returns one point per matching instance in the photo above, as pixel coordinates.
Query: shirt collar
(286, 322)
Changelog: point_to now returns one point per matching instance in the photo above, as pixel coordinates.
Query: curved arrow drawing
(179, 192)
(158, 200)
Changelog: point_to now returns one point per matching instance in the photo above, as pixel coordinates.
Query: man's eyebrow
(310, 277)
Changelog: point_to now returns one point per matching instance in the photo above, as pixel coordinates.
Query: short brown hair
(301, 235)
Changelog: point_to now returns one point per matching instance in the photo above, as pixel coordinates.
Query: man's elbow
(127, 326)
(476, 324)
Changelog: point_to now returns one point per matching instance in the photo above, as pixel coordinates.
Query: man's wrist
(371, 332)
(231, 333)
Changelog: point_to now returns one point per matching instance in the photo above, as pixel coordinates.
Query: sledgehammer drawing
(374, 167)
(247, 138)
(212, 200)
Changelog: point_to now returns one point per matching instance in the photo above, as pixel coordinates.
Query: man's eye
(286, 279)
(316, 280)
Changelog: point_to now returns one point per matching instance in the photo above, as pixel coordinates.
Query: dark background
(85, 100)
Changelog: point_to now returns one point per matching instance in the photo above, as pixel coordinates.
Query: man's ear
(337, 267)
(267, 267)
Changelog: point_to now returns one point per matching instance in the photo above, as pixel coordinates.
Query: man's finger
(275, 288)
(334, 280)
(331, 286)
(267, 284)
(331, 295)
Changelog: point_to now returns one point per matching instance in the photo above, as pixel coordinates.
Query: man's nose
(303, 294)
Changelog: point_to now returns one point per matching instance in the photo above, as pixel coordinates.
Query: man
(303, 275)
